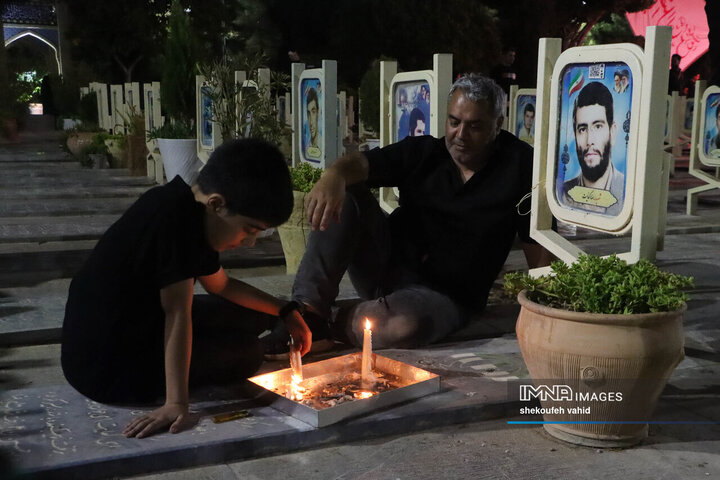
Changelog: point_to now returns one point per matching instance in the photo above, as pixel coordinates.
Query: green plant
(133, 122)
(245, 110)
(96, 147)
(178, 78)
(176, 130)
(603, 285)
(304, 176)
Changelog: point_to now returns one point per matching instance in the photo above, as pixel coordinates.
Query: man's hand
(299, 331)
(325, 200)
(174, 414)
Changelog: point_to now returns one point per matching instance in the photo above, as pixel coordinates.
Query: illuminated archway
(42, 39)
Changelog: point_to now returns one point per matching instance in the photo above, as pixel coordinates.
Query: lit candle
(366, 372)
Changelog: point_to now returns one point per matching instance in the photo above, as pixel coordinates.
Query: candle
(366, 373)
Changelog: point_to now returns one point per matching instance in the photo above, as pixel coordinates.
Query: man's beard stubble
(594, 173)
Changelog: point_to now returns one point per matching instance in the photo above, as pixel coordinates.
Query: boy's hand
(174, 414)
(299, 331)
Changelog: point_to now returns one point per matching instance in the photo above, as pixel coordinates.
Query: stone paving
(56, 433)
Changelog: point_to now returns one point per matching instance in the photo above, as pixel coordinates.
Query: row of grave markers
(632, 162)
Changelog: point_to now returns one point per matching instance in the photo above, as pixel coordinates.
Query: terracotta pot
(624, 359)
(79, 140)
(294, 234)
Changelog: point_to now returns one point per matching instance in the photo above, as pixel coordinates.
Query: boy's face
(226, 231)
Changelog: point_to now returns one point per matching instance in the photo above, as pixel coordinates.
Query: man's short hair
(594, 93)
(415, 115)
(676, 55)
(477, 88)
(529, 108)
(312, 97)
(252, 176)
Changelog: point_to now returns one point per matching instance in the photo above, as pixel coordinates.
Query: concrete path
(461, 432)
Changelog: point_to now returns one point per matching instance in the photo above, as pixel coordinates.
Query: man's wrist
(289, 307)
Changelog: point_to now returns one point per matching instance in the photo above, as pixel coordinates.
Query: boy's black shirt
(455, 235)
(114, 300)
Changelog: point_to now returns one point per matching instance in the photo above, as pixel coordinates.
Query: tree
(115, 37)
(178, 78)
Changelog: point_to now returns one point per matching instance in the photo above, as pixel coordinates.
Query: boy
(131, 320)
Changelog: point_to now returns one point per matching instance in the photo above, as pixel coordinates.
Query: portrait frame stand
(651, 163)
(205, 144)
(326, 78)
(153, 119)
(101, 93)
(439, 79)
(697, 155)
(674, 138)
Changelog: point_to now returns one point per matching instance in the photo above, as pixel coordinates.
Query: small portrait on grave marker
(206, 126)
(689, 110)
(593, 135)
(711, 135)
(312, 119)
(525, 114)
(149, 103)
(411, 110)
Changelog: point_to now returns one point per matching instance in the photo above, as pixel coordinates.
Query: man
(595, 130)
(423, 270)
(526, 132)
(676, 80)
(312, 116)
(416, 125)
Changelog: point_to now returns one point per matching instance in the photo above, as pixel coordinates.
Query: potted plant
(249, 109)
(294, 232)
(602, 337)
(136, 152)
(95, 153)
(176, 138)
(178, 149)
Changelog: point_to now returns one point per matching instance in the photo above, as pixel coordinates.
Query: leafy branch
(603, 285)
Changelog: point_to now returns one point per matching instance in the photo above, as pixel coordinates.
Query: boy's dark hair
(253, 177)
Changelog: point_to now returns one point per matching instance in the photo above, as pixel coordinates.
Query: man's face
(469, 130)
(312, 114)
(529, 119)
(419, 129)
(618, 82)
(227, 231)
(593, 139)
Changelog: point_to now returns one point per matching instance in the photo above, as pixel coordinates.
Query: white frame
(153, 119)
(439, 79)
(631, 55)
(327, 75)
(694, 167)
(652, 165)
(512, 106)
(709, 161)
(204, 151)
(117, 108)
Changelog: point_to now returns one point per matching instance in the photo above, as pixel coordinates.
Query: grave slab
(54, 432)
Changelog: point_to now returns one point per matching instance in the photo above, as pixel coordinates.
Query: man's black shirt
(455, 235)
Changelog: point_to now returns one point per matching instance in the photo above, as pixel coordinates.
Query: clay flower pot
(619, 364)
(294, 234)
(78, 140)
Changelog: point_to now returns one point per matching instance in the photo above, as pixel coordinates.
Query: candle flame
(367, 324)
(361, 395)
(295, 391)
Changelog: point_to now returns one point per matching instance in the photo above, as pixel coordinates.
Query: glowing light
(362, 395)
(295, 391)
(368, 326)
